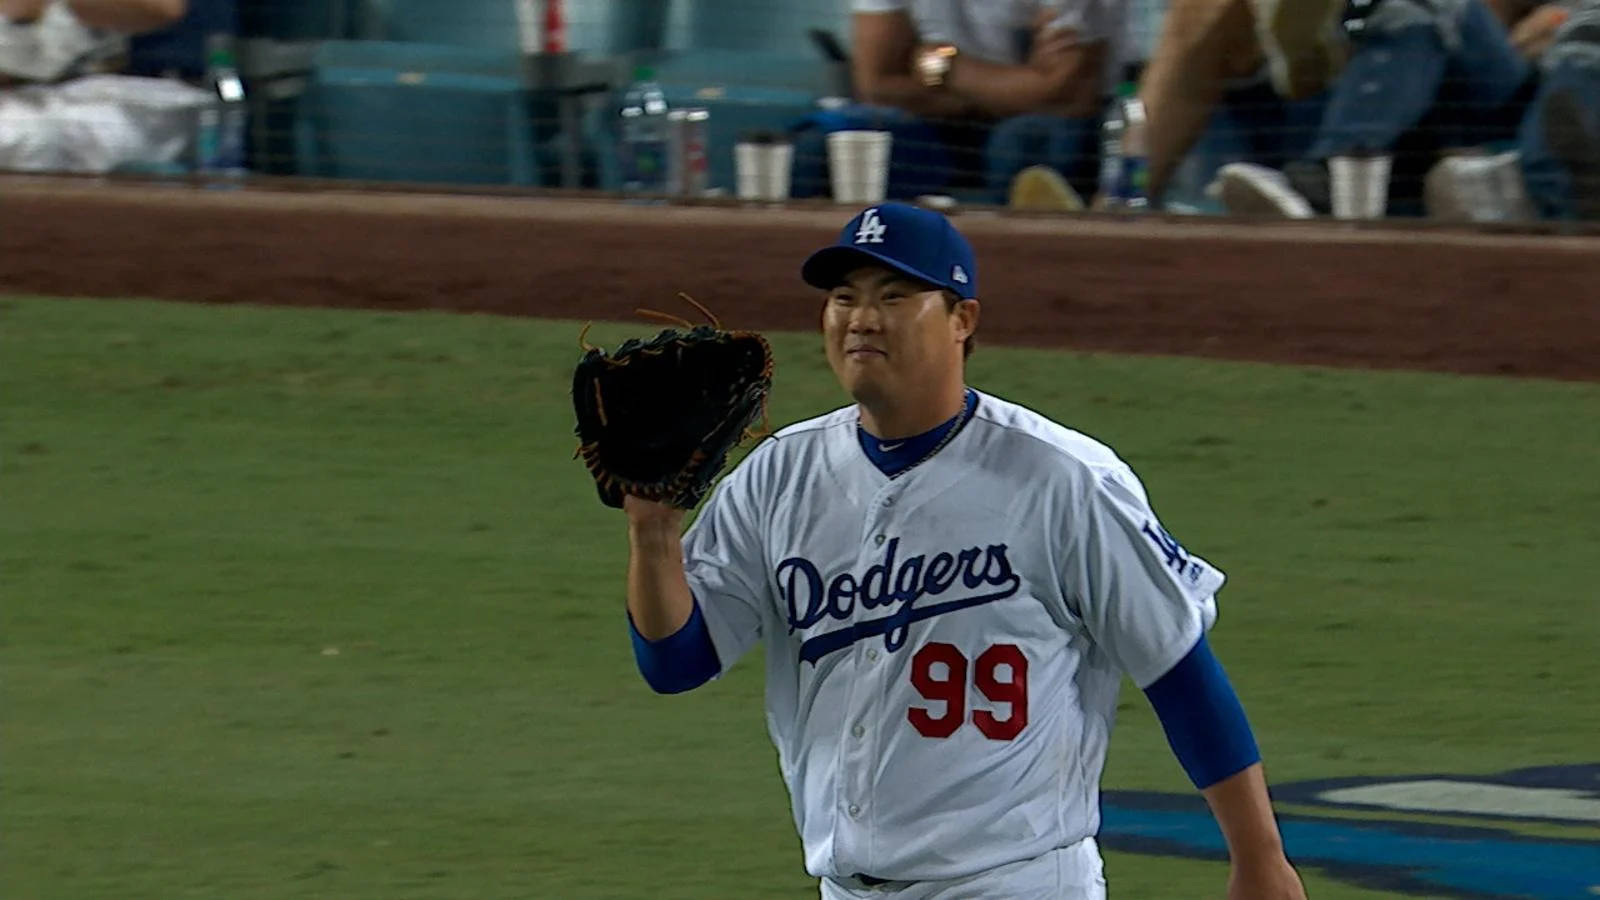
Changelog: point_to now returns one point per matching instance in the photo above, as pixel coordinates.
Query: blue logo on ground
(1402, 857)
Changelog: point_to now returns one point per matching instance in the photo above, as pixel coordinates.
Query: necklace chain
(967, 409)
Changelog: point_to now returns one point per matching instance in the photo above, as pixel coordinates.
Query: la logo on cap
(958, 275)
(872, 228)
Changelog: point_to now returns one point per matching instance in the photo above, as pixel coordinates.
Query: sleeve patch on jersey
(1168, 546)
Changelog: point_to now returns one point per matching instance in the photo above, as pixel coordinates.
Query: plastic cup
(763, 170)
(858, 166)
(1360, 186)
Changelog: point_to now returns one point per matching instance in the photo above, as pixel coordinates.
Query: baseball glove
(657, 418)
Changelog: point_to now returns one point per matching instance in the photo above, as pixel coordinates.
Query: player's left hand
(1270, 879)
(657, 419)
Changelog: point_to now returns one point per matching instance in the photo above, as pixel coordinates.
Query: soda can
(687, 174)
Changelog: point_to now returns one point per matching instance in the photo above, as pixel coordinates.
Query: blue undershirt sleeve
(1204, 722)
(679, 662)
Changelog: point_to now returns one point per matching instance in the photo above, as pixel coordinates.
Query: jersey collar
(895, 458)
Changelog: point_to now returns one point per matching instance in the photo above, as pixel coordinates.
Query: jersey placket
(866, 723)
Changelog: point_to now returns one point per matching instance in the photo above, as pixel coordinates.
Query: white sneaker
(1247, 189)
(1477, 189)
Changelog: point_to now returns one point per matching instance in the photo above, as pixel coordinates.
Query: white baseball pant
(1070, 873)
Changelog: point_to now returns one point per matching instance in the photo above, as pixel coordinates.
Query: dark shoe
(1310, 178)
(1576, 144)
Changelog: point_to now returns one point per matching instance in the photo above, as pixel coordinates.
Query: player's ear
(966, 314)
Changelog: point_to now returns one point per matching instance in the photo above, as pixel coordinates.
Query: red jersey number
(1000, 674)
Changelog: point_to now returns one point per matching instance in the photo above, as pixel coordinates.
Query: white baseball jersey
(943, 649)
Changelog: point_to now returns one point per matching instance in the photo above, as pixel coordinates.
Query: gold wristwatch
(933, 64)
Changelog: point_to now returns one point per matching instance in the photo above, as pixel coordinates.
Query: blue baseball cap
(920, 243)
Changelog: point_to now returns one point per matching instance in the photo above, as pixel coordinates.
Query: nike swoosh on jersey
(887, 447)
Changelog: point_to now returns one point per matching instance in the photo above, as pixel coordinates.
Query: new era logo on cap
(920, 243)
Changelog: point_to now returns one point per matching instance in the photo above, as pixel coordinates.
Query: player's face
(890, 338)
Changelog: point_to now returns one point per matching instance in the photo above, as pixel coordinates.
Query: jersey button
(879, 540)
(888, 501)
(854, 810)
(857, 731)
(872, 656)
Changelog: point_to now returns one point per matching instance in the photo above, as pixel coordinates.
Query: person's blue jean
(1410, 92)
(1068, 145)
(976, 158)
(1405, 80)
(1575, 76)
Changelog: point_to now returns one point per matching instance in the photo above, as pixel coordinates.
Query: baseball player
(949, 588)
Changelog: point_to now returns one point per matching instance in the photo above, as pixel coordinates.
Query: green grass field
(318, 604)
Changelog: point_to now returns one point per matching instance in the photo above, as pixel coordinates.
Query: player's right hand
(644, 513)
(1268, 879)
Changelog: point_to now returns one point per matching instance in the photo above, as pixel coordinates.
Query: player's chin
(864, 387)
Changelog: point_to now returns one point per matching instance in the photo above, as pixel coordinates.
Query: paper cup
(1360, 186)
(858, 166)
(763, 170)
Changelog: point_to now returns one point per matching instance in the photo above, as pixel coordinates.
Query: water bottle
(219, 137)
(1112, 128)
(1124, 164)
(643, 144)
(1135, 151)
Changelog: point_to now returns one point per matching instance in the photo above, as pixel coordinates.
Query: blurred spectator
(1424, 80)
(976, 90)
(1421, 78)
(1207, 91)
(61, 106)
(1559, 138)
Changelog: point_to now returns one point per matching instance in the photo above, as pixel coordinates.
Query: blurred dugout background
(527, 93)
